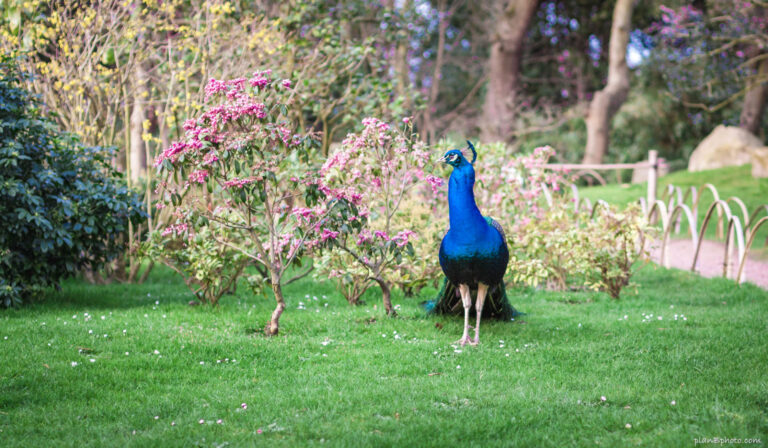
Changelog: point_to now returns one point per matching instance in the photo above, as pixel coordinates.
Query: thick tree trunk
(274, 323)
(138, 115)
(504, 64)
(754, 100)
(607, 102)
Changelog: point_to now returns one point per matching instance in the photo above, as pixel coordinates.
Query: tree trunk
(501, 98)
(434, 89)
(607, 102)
(162, 126)
(138, 115)
(402, 71)
(274, 323)
(754, 100)
(400, 64)
(386, 296)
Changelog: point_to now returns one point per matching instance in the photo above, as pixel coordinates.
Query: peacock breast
(481, 258)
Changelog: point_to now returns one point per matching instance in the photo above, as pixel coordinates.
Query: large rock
(759, 161)
(725, 146)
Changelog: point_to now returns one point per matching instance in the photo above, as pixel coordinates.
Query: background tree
(606, 102)
(504, 66)
(712, 55)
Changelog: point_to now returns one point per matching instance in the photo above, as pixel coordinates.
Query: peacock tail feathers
(496, 306)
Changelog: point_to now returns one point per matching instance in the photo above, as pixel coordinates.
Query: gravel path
(710, 263)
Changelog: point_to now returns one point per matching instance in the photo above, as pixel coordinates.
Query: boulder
(725, 146)
(759, 161)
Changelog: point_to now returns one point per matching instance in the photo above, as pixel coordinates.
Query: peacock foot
(466, 340)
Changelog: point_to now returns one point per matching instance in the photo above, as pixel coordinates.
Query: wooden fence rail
(675, 205)
(652, 164)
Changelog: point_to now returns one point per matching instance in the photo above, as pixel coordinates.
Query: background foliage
(62, 207)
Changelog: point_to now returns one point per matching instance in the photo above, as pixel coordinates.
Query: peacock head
(455, 157)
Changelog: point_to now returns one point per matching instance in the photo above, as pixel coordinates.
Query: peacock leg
(466, 299)
(482, 290)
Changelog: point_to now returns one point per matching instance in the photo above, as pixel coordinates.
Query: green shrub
(209, 269)
(614, 240)
(552, 244)
(563, 249)
(62, 208)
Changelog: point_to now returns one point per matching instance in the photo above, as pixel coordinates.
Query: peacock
(473, 253)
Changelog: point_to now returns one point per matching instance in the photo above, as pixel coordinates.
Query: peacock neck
(463, 213)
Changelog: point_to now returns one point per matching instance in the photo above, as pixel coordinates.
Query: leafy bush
(62, 208)
(615, 244)
(551, 249)
(551, 243)
(209, 269)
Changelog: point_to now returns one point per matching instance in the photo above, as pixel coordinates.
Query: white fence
(676, 205)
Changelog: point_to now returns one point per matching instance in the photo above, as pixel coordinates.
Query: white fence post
(653, 170)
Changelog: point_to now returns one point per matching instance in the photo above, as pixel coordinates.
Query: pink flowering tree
(383, 168)
(244, 179)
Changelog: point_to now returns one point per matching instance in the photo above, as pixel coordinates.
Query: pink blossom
(210, 158)
(381, 234)
(238, 183)
(407, 120)
(175, 148)
(304, 213)
(364, 237)
(328, 234)
(189, 124)
(260, 78)
(198, 176)
(402, 237)
(286, 83)
(434, 182)
(175, 229)
(213, 87)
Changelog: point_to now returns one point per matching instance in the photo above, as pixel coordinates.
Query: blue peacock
(473, 253)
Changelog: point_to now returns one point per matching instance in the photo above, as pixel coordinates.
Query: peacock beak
(443, 159)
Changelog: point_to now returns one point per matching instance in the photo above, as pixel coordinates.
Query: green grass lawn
(150, 368)
(730, 181)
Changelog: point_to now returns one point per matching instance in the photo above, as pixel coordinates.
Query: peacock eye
(454, 157)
